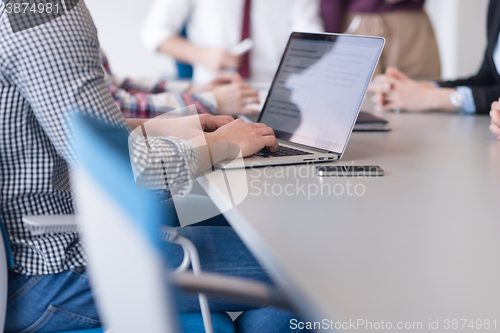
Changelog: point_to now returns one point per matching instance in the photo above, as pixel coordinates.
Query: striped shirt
(146, 99)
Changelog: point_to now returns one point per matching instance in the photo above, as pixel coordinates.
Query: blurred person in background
(214, 27)
(226, 94)
(410, 41)
(474, 95)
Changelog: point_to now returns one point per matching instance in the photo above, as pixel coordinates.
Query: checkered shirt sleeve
(46, 72)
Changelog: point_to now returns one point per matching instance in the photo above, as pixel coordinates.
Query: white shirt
(496, 55)
(218, 24)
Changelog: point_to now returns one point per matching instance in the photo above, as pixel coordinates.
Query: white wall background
(119, 24)
(460, 27)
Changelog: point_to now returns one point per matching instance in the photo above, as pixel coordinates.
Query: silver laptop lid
(319, 87)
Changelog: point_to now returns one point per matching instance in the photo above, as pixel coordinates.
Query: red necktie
(245, 33)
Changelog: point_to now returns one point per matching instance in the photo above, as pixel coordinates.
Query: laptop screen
(319, 87)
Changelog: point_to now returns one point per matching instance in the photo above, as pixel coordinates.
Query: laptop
(315, 98)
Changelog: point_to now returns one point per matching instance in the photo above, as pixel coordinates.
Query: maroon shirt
(333, 11)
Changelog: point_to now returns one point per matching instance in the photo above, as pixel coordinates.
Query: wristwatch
(456, 100)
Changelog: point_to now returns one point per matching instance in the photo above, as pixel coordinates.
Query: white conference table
(420, 244)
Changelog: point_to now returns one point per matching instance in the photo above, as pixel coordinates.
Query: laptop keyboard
(282, 151)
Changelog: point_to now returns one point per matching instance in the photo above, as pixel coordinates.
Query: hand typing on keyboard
(249, 137)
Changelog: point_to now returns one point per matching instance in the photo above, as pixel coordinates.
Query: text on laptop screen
(319, 88)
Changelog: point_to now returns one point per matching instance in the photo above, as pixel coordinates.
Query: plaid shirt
(45, 72)
(145, 100)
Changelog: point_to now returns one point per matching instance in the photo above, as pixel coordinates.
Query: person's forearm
(182, 50)
(207, 158)
(213, 151)
(439, 99)
(428, 84)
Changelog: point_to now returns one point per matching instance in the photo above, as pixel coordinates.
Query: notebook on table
(366, 122)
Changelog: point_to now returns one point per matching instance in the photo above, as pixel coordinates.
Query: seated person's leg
(195, 210)
(216, 221)
(50, 303)
(221, 251)
(63, 301)
(266, 319)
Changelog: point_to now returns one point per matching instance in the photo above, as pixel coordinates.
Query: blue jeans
(60, 302)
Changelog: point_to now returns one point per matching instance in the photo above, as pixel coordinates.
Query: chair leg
(190, 256)
(195, 262)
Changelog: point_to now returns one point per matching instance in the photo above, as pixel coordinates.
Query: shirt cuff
(468, 105)
(163, 163)
(190, 153)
